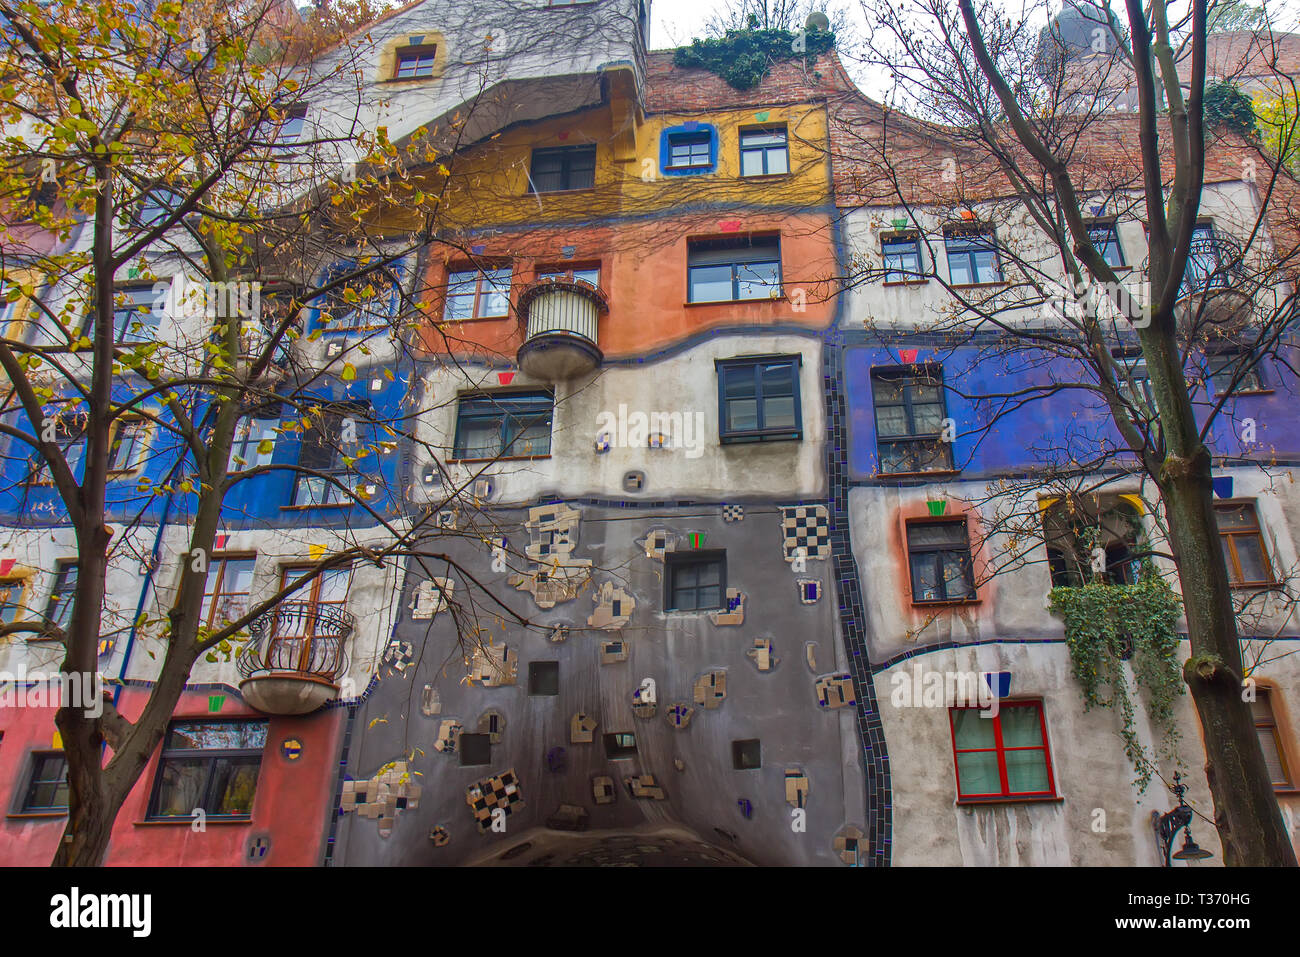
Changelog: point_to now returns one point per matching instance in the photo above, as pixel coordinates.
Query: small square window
(690, 150)
(902, 257)
(910, 414)
(1002, 754)
(938, 554)
(1105, 239)
(415, 62)
(59, 609)
(758, 399)
(1226, 365)
(561, 168)
(695, 580)
(764, 152)
(47, 788)
(209, 765)
(746, 755)
(620, 744)
(731, 270)
(503, 424)
(972, 257)
(544, 678)
(474, 749)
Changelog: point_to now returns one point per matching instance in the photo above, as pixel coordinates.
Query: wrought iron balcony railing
(1212, 263)
(298, 639)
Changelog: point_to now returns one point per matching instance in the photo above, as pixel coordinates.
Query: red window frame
(1006, 794)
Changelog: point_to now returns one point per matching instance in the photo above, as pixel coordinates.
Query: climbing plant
(1106, 623)
(743, 57)
(1230, 109)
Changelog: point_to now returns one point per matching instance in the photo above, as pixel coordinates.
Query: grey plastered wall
(778, 707)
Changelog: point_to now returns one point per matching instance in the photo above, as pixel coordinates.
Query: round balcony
(560, 315)
(1212, 300)
(292, 662)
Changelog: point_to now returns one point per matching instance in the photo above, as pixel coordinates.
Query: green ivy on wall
(1227, 107)
(743, 57)
(1100, 620)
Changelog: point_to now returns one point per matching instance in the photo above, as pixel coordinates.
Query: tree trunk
(1246, 810)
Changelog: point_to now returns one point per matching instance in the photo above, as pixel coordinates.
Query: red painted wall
(292, 807)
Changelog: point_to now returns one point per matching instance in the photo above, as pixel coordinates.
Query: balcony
(560, 316)
(296, 655)
(1211, 300)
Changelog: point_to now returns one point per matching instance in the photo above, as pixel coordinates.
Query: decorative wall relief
(397, 657)
(711, 689)
(581, 726)
(679, 715)
(796, 787)
(614, 607)
(806, 531)
(554, 575)
(613, 650)
(493, 666)
(499, 791)
(448, 735)
(836, 691)
(381, 797)
(735, 611)
(431, 596)
(657, 543)
(761, 654)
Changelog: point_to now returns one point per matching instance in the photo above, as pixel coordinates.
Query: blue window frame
(902, 256)
(972, 256)
(729, 270)
(764, 151)
(688, 150)
(503, 424)
(758, 399)
(415, 62)
(136, 313)
(910, 413)
(70, 435)
(345, 430)
(1105, 237)
(58, 610)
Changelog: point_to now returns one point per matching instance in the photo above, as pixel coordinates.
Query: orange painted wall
(293, 803)
(643, 271)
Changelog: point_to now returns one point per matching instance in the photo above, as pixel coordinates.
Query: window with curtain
(910, 410)
(939, 556)
(505, 424)
(1270, 740)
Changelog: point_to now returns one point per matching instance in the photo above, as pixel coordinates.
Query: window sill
(303, 508)
(766, 176)
(1014, 799)
(736, 302)
(942, 473)
(946, 603)
(980, 285)
(502, 458)
(188, 819)
(561, 192)
(345, 331)
(35, 815)
(906, 282)
(689, 170)
(758, 438)
(1279, 792)
(1247, 392)
(1256, 586)
(476, 318)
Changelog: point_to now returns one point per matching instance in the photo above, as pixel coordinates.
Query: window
(758, 399)
(70, 436)
(1226, 365)
(13, 599)
(1134, 383)
(747, 754)
(1075, 529)
(293, 126)
(130, 443)
(910, 413)
(225, 591)
(339, 433)
(157, 205)
(1243, 545)
(972, 257)
(477, 294)
(695, 580)
(294, 640)
(620, 744)
(253, 443)
(374, 300)
(1206, 266)
(135, 314)
(725, 270)
(415, 62)
(1003, 756)
(1270, 740)
(690, 150)
(47, 788)
(590, 276)
(544, 678)
(902, 256)
(58, 611)
(489, 425)
(565, 167)
(212, 765)
(938, 554)
(763, 152)
(1105, 239)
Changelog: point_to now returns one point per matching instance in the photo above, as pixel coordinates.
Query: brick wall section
(671, 89)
